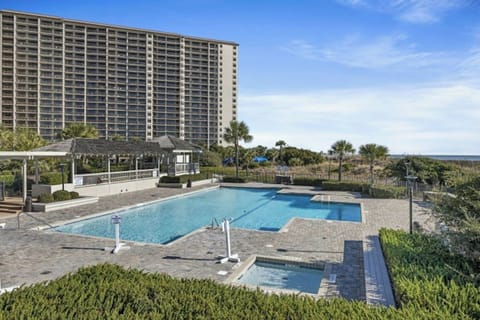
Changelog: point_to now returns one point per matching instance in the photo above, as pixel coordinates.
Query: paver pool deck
(29, 256)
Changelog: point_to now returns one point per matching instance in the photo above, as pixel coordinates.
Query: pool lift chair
(229, 256)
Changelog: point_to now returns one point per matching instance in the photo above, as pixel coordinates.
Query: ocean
(440, 157)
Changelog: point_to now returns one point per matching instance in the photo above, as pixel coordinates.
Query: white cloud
(381, 52)
(412, 11)
(442, 118)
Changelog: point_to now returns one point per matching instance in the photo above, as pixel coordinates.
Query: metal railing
(118, 176)
(184, 168)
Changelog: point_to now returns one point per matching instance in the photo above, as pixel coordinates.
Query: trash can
(28, 204)
(189, 183)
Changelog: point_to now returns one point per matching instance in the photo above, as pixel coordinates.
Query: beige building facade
(127, 82)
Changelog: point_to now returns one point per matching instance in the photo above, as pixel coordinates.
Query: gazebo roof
(176, 144)
(84, 146)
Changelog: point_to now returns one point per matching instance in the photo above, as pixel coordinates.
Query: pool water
(283, 276)
(258, 209)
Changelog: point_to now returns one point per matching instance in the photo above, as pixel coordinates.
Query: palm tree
(236, 132)
(341, 149)
(79, 130)
(22, 139)
(373, 152)
(281, 144)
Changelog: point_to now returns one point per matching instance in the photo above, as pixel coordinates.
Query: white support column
(136, 167)
(24, 178)
(72, 171)
(108, 170)
(37, 176)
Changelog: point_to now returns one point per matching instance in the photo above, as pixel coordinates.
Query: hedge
(74, 195)
(45, 198)
(388, 192)
(344, 186)
(61, 195)
(7, 178)
(111, 292)
(429, 283)
(52, 178)
(234, 179)
(308, 182)
(170, 179)
(428, 277)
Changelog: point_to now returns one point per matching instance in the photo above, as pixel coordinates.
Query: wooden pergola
(24, 156)
(172, 151)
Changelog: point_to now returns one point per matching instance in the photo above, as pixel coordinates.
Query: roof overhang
(30, 155)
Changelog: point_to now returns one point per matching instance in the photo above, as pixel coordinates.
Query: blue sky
(401, 73)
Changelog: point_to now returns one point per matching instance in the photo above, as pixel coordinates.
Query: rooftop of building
(117, 26)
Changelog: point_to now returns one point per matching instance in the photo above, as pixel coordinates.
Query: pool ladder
(215, 223)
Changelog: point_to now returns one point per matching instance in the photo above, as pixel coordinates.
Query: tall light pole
(411, 179)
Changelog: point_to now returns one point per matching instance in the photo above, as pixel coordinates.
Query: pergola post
(37, 176)
(24, 177)
(72, 171)
(136, 167)
(108, 169)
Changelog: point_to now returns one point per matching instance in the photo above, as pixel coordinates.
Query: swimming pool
(258, 209)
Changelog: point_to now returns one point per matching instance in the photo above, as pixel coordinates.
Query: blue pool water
(283, 276)
(258, 209)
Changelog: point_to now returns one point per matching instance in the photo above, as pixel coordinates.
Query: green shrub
(169, 179)
(234, 179)
(74, 195)
(429, 283)
(45, 198)
(388, 192)
(52, 178)
(344, 186)
(7, 178)
(61, 195)
(194, 177)
(111, 292)
(308, 182)
(428, 277)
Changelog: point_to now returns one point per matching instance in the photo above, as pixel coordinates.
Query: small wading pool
(285, 275)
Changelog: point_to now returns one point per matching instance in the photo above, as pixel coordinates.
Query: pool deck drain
(25, 253)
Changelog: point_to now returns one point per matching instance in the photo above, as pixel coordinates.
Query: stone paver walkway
(29, 256)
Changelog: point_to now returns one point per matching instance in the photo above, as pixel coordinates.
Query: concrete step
(10, 211)
(10, 207)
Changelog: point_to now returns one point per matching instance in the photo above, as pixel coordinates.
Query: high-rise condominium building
(125, 81)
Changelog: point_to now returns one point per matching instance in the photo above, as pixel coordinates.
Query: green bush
(7, 178)
(429, 283)
(169, 179)
(74, 195)
(234, 179)
(45, 198)
(308, 182)
(332, 185)
(388, 192)
(111, 292)
(52, 178)
(427, 277)
(61, 195)
(194, 177)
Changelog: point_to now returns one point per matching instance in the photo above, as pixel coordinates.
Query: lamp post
(62, 167)
(411, 179)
